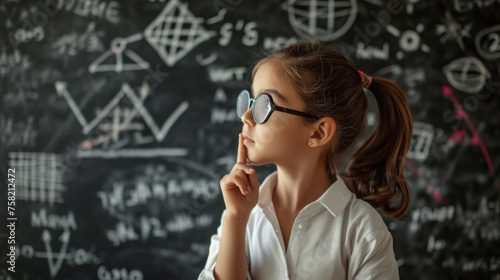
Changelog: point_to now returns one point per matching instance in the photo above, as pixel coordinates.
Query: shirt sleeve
(373, 258)
(208, 272)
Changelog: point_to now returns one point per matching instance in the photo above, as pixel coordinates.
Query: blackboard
(117, 122)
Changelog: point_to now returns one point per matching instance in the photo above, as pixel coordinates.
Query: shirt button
(277, 230)
(301, 226)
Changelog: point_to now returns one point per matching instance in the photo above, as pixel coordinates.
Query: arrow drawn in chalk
(64, 238)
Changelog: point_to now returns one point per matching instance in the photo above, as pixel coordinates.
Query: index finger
(242, 150)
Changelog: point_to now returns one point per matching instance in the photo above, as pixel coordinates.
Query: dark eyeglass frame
(274, 107)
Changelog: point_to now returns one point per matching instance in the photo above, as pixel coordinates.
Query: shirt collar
(334, 199)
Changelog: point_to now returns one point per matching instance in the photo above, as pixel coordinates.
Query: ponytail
(376, 172)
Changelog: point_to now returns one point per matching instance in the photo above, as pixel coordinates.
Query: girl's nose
(247, 117)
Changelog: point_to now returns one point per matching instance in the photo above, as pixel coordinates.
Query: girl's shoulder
(362, 217)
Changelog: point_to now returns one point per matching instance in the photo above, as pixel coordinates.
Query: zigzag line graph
(159, 133)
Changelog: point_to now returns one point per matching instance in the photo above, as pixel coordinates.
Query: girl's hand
(240, 188)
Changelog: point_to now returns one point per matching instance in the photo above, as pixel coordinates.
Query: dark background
(103, 192)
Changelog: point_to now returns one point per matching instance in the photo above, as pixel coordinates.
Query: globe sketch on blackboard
(325, 20)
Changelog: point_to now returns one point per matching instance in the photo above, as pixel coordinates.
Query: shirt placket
(273, 220)
(297, 238)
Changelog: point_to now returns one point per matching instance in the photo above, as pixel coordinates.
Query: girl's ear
(322, 132)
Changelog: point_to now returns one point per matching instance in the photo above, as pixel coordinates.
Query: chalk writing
(487, 42)
(427, 214)
(69, 256)
(218, 75)
(15, 60)
(481, 222)
(35, 34)
(221, 114)
(274, 43)
(250, 37)
(18, 134)
(183, 222)
(467, 265)
(372, 52)
(148, 227)
(143, 193)
(122, 233)
(88, 41)
(108, 10)
(434, 244)
(118, 274)
(463, 6)
(420, 145)
(53, 221)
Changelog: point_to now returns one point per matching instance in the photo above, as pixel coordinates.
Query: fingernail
(249, 189)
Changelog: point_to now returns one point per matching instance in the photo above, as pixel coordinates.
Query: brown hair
(330, 86)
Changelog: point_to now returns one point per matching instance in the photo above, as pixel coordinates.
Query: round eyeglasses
(263, 107)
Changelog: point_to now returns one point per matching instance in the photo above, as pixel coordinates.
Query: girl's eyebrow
(273, 92)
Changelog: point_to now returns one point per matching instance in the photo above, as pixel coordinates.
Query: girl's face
(284, 137)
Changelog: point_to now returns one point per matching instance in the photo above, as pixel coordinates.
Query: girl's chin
(257, 161)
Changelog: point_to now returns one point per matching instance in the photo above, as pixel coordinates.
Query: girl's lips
(246, 139)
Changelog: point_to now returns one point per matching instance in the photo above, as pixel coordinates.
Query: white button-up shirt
(335, 237)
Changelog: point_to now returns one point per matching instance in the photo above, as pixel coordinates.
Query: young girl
(312, 218)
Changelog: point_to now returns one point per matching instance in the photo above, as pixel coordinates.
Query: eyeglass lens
(243, 103)
(261, 109)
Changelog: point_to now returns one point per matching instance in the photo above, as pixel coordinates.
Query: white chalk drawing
(119, 273)
(274, 43)
(487, 42)
(467, 74)
(372, 52)
(60, 254)
(13, 61)
(40, 176)
(218, 18)
(452, 30)
(175, 32)
(122, 120)
(70, 256)
(47, 238)
(409, 40)
(17, 134)
(203, 61)
(410, 6)
(326, 20)
(134, 153)
(120, 52)
(422, 137)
